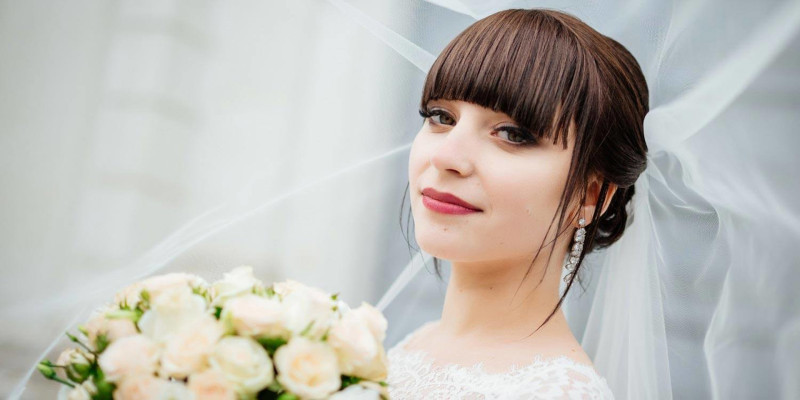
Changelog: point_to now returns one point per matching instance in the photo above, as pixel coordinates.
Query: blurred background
(151, 136)
(122, 121)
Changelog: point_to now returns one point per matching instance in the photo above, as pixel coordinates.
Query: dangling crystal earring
(577, 246)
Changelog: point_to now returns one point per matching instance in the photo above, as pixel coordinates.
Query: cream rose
(156, 285)
(171, 312)
(187, 352)
(129, 355)
(305, 305)
(211, 385)
(288, 286)
(148, 387)
(243, 362)
(252, 315)
(359, 352)
(308, 368)
(113, 328)
(237, 282)
(374, 319)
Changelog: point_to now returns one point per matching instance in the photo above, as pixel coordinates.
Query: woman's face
(473, 153)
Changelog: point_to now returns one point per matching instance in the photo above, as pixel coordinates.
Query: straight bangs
(526, 65)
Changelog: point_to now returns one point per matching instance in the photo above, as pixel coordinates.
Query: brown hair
(549, 70)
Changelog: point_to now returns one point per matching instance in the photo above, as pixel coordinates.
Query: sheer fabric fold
(150, 137)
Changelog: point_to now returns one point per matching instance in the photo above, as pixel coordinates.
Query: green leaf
(271, 344)
(287, 396)
(105, 389)
(102, 342)
(348, 380)
(275, 386)
(307, 328)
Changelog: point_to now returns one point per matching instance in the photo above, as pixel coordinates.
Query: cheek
(417, 160)
(524, 202)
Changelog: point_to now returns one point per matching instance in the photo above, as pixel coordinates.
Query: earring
(577, 247)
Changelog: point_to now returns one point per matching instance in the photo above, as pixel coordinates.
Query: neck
(491, 300)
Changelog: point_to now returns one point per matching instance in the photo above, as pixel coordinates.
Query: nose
(453, 153)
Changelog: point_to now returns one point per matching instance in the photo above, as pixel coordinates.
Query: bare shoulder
(420, 336)
(573, 349)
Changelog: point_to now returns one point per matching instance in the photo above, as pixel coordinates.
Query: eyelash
(529, 140)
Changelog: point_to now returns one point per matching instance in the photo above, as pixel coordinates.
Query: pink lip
(446, 203)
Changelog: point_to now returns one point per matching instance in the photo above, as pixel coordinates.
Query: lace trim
(422, 357)
(415, 367)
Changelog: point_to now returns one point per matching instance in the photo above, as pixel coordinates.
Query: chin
(445, 245)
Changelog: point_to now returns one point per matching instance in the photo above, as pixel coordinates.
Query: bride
(531, 143)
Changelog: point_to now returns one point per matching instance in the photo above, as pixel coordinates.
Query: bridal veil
(145, 137)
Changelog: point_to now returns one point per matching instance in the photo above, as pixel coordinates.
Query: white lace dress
(413, 375)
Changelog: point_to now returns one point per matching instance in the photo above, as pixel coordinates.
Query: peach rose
(113, 328)
(148, 387)
(308, 368)
(252, 315)
(155, 285)
(129, 355)
(187, 352)
(211, 385)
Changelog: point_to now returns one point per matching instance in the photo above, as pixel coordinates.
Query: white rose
(305, 305)
(308, 368)
(252, 315)
(129, 355)
(211, 385)
(243, 362)
(288, 286)
(187, 352)
(356, 392)
(171, 312)
(148, 387)
(155, 285)
(113, 328)
(359, 352)
(234, 283)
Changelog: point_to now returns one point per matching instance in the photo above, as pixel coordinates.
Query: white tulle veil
(150, 137)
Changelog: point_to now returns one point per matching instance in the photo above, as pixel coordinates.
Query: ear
(592, 198)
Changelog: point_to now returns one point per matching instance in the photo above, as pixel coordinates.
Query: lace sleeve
(568, 382)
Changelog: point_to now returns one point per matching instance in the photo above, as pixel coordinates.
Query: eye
(516, 136)
(444, 118)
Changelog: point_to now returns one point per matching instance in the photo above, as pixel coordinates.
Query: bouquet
(175, 336)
